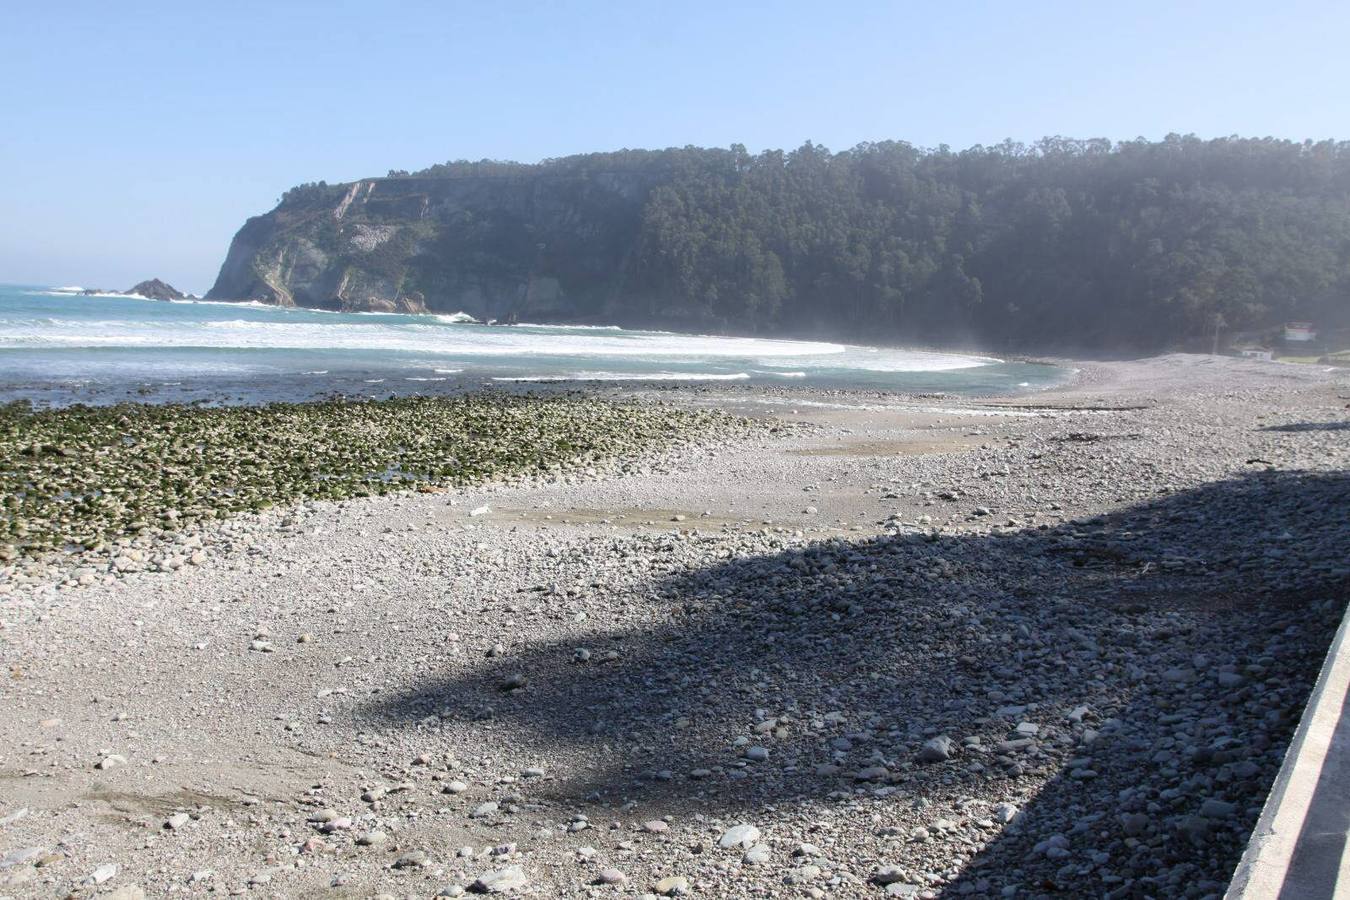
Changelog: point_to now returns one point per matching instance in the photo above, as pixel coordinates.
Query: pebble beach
(720, 642)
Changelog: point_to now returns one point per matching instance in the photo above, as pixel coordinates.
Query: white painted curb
(1265, 866)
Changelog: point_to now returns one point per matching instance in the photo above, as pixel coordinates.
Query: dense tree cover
(310, 192)
(656, 163)
(1083, 243)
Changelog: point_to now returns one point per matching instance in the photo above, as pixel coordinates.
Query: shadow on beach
(1296, 427)
(1161, 654)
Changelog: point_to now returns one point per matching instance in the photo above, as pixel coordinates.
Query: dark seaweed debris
(76, 478)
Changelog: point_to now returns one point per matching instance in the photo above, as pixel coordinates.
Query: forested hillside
(1062, 244)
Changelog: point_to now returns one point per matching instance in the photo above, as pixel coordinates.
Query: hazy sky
(136, 137)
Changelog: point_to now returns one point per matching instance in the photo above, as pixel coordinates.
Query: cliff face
(544, 247)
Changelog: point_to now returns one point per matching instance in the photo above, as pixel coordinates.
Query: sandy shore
(1046, 645)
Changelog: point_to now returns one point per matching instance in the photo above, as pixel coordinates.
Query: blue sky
(138, 136)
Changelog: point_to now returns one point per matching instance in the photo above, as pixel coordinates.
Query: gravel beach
(1045, 645)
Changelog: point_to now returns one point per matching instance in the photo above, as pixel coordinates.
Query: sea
(59, 346)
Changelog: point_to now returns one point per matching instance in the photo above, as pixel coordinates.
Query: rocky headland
(1135, 246)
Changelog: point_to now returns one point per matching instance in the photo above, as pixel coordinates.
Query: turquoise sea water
(57, 346)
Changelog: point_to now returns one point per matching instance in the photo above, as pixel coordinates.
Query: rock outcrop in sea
(154, 289)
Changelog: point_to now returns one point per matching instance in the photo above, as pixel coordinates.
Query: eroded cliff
(541, 247)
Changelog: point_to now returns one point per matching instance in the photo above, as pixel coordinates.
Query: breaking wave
(58, 333)
(629, 376)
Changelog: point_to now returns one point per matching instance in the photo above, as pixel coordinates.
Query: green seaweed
(80, 477)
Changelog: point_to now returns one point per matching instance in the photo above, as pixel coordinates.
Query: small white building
(1257, 353)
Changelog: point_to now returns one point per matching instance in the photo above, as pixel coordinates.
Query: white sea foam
(630, 376)
(198, 336)
(471, 342)
(577, 327)
(80, 292)
(1006, 412)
